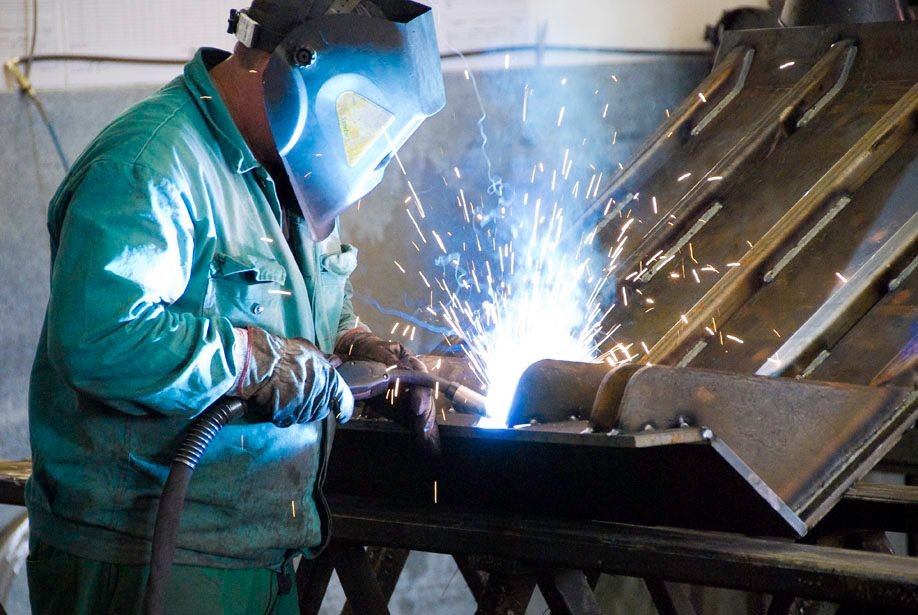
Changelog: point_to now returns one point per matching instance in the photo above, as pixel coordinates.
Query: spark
(702, 98)
(439, 241)
(735, 339)
(267, 240)
(416, 226)
(561, 117)
(285, 293)
(293, 508)
(786, 65)
(400, 268)
(684, 176)
(842, 278)
(526, 93)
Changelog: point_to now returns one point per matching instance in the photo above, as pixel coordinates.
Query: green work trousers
(61, 583)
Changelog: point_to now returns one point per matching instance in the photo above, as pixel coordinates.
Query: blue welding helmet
(343, 92)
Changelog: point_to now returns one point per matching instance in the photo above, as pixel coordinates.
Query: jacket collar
(197, 79)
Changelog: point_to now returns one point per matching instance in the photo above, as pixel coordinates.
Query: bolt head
(304, 56)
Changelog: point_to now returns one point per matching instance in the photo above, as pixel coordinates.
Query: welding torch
(368, 379)
(365, 379)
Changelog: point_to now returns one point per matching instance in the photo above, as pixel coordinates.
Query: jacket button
(257, 308)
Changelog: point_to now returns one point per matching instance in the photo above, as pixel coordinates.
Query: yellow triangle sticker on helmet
(362, 123)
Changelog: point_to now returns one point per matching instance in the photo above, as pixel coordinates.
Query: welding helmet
(349, 81)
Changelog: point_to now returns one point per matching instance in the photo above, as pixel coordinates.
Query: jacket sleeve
(123, 257)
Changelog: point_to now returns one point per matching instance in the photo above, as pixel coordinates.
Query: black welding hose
(172, 500)
(205, 429)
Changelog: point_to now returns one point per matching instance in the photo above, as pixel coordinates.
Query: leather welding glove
(414, 407)
(290, 381)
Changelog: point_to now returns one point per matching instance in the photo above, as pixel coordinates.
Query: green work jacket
(165, 235)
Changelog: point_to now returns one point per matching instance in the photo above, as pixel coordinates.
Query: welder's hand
(291, 381)
(413, 408)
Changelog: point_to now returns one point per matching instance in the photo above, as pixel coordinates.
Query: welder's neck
(240, 87)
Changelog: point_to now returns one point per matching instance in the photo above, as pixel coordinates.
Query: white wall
(174, 28)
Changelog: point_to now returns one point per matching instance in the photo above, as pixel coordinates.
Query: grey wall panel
(29, 174)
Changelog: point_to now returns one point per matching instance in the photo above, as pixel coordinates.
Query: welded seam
(691, 354)
(687, 237)
(616, 211)
(909, 270)
(813, 232)
(833, 92)
(737, 88)
(814, 364)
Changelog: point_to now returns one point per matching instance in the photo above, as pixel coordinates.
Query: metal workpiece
(774, 123)
(847, 306)
(554, 391)
(739, 284)
(741, 231)
(727, 76)
(808, 441)
(663, 477)
(605, 414)
(779, 452)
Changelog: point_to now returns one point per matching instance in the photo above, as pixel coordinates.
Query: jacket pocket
(247, 290)
(335, 270)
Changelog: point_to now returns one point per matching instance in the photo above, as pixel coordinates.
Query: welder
(195, 256)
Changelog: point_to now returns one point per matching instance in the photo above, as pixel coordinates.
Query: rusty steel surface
(555, 391)
(808, 441)
(764, 196)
